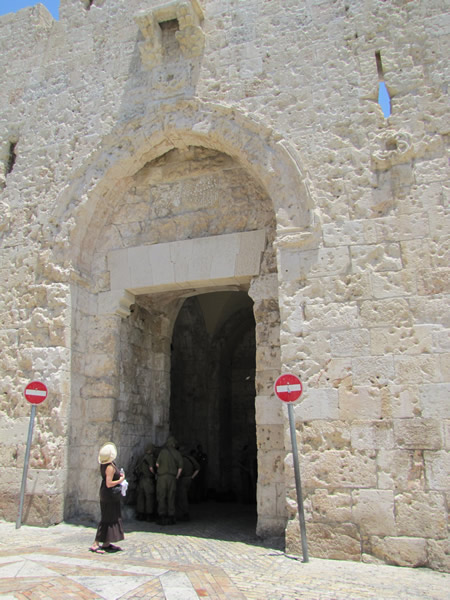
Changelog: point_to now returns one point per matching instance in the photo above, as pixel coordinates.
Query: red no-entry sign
(36, 392)
(288, 387)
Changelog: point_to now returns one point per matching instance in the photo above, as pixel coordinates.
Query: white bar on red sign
(295, 387)
(35, 392)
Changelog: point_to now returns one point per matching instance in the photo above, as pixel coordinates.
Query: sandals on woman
(112, 548)
(103, 549)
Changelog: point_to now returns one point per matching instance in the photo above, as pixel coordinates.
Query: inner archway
(212, 401)
(189, 223)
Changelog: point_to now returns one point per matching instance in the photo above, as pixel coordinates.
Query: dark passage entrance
(212, 404)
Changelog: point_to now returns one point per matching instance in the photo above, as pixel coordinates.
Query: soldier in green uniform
(190, 471)
(170, 465)
(146, 489)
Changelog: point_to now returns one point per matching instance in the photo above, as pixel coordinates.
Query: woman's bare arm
(109, 477)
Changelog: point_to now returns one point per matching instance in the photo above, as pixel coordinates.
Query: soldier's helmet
(149, 449)
(171, 441)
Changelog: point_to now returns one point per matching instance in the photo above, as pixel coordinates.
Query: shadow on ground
(227, 521)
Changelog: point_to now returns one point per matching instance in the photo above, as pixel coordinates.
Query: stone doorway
(212, 400)
(190, 223)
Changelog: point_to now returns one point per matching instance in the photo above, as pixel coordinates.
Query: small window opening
(171, 25)
(11, 157)
(384, 99)
(171, 47)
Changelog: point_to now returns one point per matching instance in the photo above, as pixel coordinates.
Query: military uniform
(191, 469)
(146, 490)
(170, 465)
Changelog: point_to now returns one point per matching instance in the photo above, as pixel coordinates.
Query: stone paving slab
(56, 574)
(162, 564)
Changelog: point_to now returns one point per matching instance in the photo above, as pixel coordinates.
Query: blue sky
(7, 6)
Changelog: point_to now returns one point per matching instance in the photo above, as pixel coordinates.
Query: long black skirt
(110, 528)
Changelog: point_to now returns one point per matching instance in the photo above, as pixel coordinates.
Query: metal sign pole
(25, 465)
(298, 484)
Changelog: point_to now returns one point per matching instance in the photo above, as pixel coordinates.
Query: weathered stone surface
(351, 343)
(373, 511)
(420, 369)
(418, 433)
(430, 310)
(331, 317)
(313, 263)
(318, 404)
(437, 470)
(421, 515)
(359, 403)
(329, 506)
(270, 438)
(400, 551)
(271, 467)
(446, 428)
(385, 313)
(434, 400)
(323, 435)
(372, 435)
(99, 409)
(13, 430)
(379, 258)
(268, 411)
(408, 340)
(337, 469)
(38, 509)
(378, 370)
(145, 148)
(438, 554)
(339, 541)
(401, 469)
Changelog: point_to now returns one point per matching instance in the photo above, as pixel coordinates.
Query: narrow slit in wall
(384, 99)
(11, 157)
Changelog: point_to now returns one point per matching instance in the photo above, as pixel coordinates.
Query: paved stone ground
(209, 557)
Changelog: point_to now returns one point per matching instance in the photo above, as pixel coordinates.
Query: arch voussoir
(192, 123)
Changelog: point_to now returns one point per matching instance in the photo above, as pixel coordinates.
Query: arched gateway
(189, 201)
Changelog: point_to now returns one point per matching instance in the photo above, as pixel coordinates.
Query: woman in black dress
(110, 528)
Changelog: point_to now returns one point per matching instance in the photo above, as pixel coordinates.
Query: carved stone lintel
(190, 35)
(393, 148)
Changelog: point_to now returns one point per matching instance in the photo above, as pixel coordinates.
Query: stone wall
(117, 132)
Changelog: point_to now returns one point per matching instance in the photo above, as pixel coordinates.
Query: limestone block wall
(358, 279)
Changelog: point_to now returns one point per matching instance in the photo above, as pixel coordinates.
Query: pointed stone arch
(180, 124)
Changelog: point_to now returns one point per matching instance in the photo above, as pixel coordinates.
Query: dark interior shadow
(228, 521)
